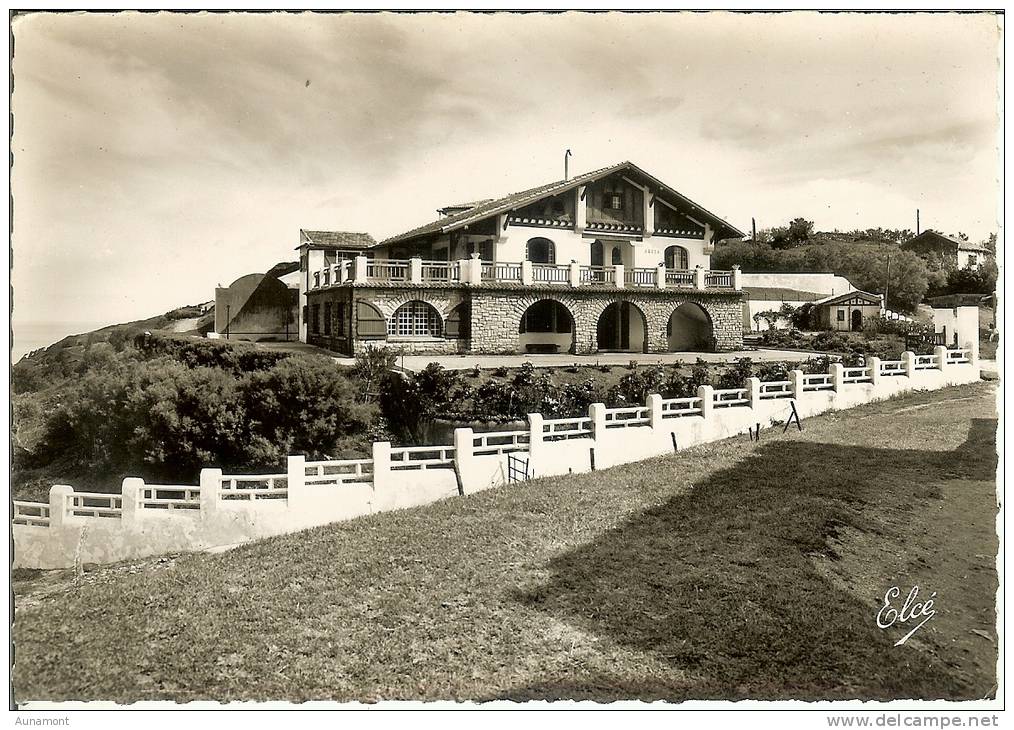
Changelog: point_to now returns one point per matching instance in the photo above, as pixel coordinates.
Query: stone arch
(546, 323)
(622, 326)
(388, 304)
(690, 328)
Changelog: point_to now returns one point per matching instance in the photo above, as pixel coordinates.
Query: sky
(157, 156)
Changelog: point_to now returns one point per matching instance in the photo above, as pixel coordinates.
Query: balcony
(476, 272)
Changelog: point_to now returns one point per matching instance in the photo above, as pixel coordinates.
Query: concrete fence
(151, 519)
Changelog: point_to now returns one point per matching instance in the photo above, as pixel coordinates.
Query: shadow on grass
(719, 584)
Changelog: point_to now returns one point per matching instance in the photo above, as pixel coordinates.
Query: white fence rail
(253, 486)
(31, 513)
(93, 504)
(731, 397)
(623, 417)
(679, 407)
(926, 362)
(818, 381)
(422, 457)
(170, 498)
(499, 442)
(776, 389)
(891, 368)
(856, 375)
(339, 472)
(955, 357)
(562, 429)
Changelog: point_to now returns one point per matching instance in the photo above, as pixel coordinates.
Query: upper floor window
(614, 201)
(541, 251)
(676, 258)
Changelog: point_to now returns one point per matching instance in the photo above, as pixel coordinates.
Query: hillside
(712, 573)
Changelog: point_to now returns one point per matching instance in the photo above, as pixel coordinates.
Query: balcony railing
(476, 272)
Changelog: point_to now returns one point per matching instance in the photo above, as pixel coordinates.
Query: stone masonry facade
(496, 314)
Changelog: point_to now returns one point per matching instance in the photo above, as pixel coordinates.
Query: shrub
(371, 368)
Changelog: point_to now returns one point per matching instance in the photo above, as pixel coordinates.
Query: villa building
(611, 260)
(955, 252)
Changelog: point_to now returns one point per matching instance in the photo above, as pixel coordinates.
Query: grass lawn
(731, 570)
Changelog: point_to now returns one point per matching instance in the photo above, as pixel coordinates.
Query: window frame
(415, 320)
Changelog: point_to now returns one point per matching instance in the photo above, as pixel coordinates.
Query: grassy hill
(714, 573)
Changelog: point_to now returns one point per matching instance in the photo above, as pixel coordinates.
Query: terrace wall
(143, 520)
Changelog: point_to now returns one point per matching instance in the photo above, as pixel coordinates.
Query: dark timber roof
(336, 239)
(510, 202)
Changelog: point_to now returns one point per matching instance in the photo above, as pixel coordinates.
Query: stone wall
(496, 314)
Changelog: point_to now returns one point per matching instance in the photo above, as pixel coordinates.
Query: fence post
(753, 386)
(463, 271)
(873, 363)
(796, 378)
(415, 270)
(737, 280)
(940, 352)
(536, 436)
(660, 276)
(699, 280)
(837, 371)
(618, 276)
(597, 414)
(464, 450)
(211, 483)
(475, 269)
(654, 404)
(575, 273)
(527, 277)
(381, 464)
(908, 362)
(295, 479)
(130, 493)
(58, 504)
(707, 395)
(360, 272)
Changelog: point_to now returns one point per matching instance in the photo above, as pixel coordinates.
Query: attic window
(614, 201)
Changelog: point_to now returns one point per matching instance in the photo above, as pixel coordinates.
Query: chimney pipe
(566, 166)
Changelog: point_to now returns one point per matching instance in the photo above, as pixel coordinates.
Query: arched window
(676, 258)
(415, 319)
(597, 258)
(541, 251)
(617, 256)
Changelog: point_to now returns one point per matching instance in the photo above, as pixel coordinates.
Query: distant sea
(30, 336)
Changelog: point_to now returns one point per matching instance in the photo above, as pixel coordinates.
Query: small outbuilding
(257, 307)
(849, 311)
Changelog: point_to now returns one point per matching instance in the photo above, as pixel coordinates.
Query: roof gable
(862, 297)
(496, 206)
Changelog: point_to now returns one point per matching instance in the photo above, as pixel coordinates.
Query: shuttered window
(458, 325)
(370, 324)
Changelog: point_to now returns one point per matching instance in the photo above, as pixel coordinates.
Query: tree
(800, 231)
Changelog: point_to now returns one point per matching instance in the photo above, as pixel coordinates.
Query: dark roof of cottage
(336, 239)
(835, 298)
(510, 202)
(780, 293)
(930, 233)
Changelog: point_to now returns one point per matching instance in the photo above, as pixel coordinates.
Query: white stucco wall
(826, 284)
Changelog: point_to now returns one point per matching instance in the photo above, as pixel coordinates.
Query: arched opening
(676, 258)
(546, 326)
(689, 329)
(541, 251)
(617, 256)
(857, 320)
(622, 327)
(415, 319)
(459, 322)
(597, 257)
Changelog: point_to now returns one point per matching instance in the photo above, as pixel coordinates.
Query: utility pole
(887, 285)
(917, 222)
(753, 229)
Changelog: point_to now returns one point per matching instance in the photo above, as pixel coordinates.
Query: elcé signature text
(911, 610)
